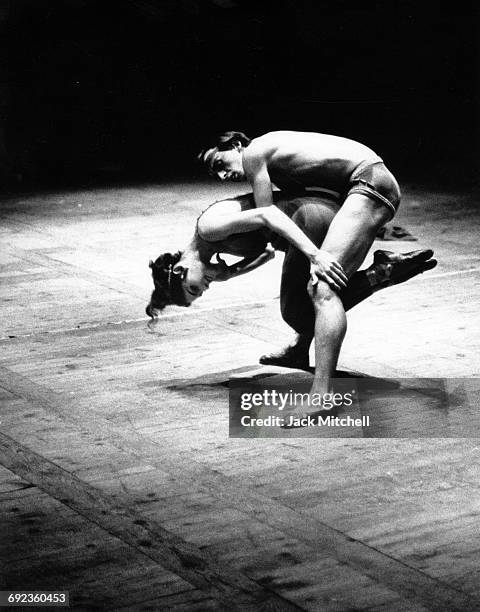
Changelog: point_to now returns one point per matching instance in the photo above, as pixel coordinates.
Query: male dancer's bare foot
(293, 356)
(296, 419)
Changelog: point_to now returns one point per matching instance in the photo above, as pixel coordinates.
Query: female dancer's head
(179, 278)
(182, 277)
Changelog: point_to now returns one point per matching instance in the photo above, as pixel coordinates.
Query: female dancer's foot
(390, 268)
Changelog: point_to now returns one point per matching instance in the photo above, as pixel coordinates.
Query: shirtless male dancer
(369, 196)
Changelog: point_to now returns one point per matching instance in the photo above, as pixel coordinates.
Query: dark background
(130, 90)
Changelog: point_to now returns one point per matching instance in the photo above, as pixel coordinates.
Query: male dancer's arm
(323, 265)
(256, 172)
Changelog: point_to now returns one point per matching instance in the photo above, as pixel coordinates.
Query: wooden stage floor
(118, 479)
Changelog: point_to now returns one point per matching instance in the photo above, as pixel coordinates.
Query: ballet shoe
(393, 268)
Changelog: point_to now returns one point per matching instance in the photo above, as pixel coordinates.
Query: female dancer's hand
(269, 252)
(325, 268)
(224, 271)
(247, 264)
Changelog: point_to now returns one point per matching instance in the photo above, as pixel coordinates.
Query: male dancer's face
(226, 165)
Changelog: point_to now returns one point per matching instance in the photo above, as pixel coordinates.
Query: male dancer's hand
(324, 267)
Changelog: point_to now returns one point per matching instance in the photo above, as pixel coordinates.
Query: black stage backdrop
(130, 90)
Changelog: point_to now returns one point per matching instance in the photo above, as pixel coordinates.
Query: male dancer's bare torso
(308, 159)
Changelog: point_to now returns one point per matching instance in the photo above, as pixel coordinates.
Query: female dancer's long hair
(168, 284)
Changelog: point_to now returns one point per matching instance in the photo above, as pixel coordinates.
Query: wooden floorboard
(380, 567)
(144, 536)
(51, 547)
(106, 420)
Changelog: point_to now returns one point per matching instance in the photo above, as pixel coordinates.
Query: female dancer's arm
(247, 264)
(215, 226)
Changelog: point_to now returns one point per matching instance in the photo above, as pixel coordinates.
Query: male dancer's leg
(296, 305)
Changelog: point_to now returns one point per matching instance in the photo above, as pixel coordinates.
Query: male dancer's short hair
(223, 142)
